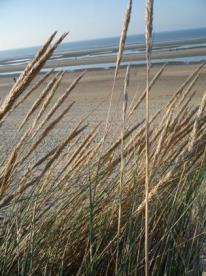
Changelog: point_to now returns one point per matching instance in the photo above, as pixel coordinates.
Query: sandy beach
(109, 59)
(92, 96)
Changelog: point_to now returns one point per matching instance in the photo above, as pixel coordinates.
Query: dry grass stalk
(177, 96)
(119, 57)
(41, 98)
(125, 95)
(183, 156)
(59, 102)
(183, 110)
(148, 41)
(175, 137)
(7, 172)
(139, 128)
(20, 147)
(58, 151)
(161, 139)
(197, 122)
(55, 156)
(142, 97)
(176, 100)
(118, 142)
(83, 160)
(189, 88)
(47, 131)
(80, 150)
(18, 192)
(123, 37)
(42, 50)
(34, 87)
(29, 74)
(121, 180)
(83, 144)
(179, 91)
(30, 66)
(48, 99)
(75, 155)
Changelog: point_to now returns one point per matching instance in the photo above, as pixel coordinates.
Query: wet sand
(65, 60)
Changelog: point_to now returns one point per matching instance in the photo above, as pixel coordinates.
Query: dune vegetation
(84, 208)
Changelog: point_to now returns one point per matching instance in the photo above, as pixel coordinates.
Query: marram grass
(79, 209)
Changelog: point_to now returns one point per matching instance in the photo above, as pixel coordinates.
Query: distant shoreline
(12, 75)
(181, 52)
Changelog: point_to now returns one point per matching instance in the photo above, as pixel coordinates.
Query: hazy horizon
(99, 38)
(28, 23)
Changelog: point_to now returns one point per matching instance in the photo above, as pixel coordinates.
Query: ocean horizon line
(106, 37)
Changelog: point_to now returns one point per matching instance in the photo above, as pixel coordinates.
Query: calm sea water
(183, 35)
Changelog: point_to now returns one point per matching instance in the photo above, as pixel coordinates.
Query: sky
(26, 23)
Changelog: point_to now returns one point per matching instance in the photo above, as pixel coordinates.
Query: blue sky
(29, 22)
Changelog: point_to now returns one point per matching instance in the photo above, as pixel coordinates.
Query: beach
(171, 52)
(107, 61)
(92, 96)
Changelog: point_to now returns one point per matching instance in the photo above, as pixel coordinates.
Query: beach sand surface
(92, 96)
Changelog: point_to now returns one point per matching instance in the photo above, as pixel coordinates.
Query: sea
(162, 41)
